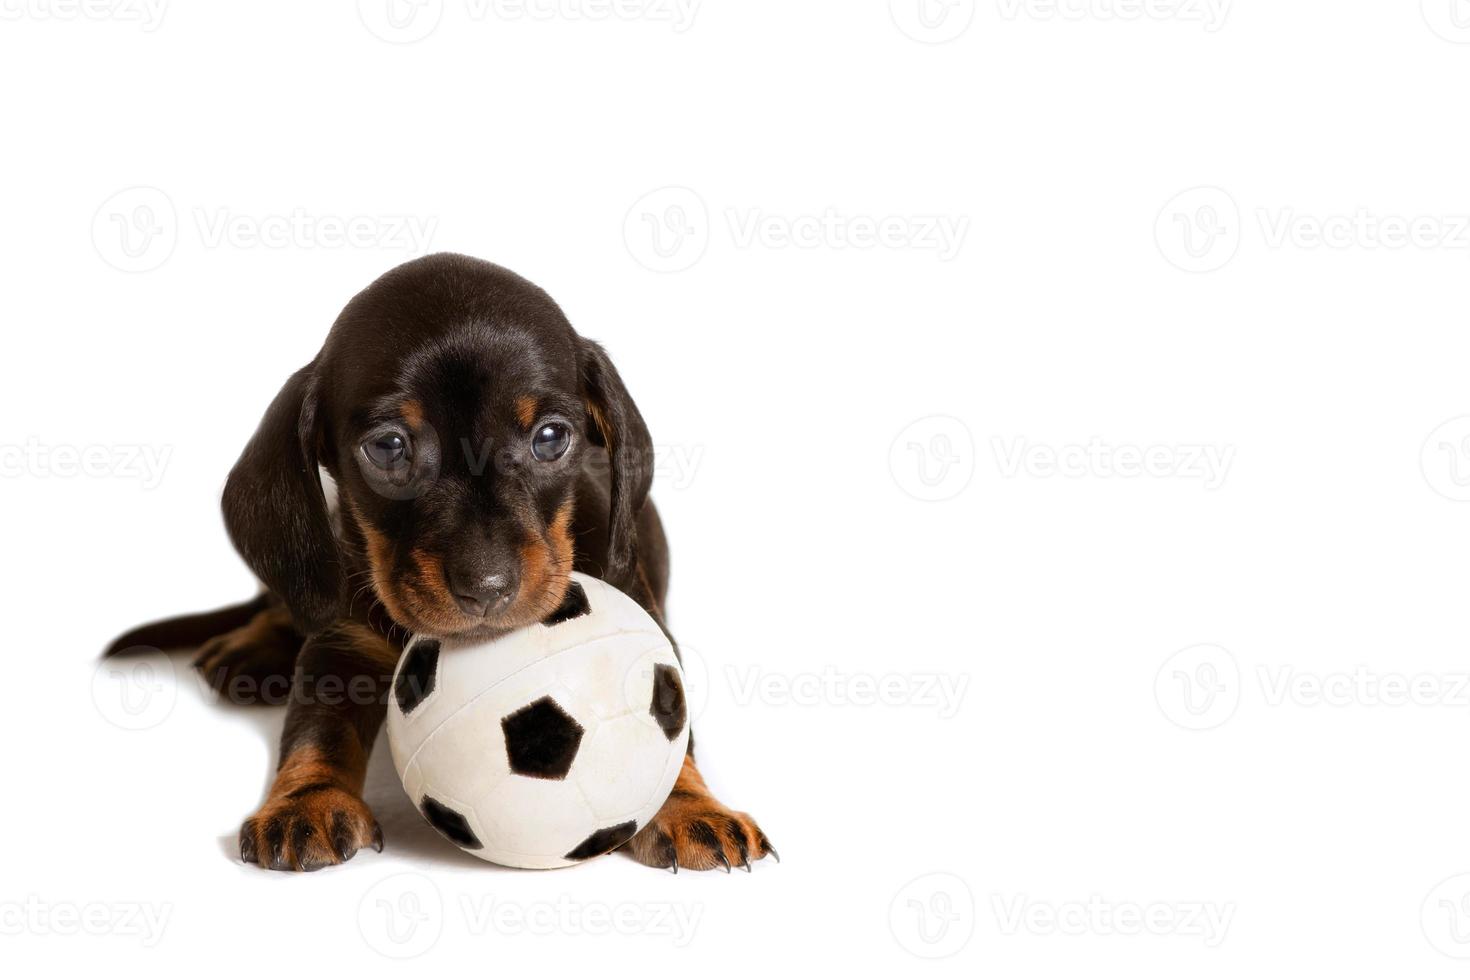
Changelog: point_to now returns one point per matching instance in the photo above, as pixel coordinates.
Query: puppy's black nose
(481, 594)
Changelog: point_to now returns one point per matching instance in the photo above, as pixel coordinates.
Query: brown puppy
(481, 450)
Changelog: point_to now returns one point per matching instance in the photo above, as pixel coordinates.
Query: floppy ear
(276, 513)
(616, 424)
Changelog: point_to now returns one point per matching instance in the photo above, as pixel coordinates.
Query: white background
(1185, 234)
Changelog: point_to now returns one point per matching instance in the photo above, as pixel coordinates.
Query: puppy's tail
(187, 632)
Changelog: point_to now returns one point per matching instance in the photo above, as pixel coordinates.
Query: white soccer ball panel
(613, 673)
(534, 822)
(621, 771)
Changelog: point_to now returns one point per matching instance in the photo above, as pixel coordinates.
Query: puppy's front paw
(694, 830)
(308, 829)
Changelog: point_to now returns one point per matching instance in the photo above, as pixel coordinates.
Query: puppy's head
(455, 408)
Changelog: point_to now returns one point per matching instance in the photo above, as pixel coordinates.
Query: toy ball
(546, 746)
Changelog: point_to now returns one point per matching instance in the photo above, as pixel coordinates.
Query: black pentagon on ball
(667, 707)
(602, 841)
(416, 677)
(541, 739)
(451, 823)
(574, 604)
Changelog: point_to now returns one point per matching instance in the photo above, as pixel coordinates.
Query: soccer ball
(546, 746)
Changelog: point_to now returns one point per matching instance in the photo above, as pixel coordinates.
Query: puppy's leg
(695, 830)
(314, 814)
(252, 664)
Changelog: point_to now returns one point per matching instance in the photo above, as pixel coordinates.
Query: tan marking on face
(380, 561)
(600, 420)
(431, 579)
(425, 603)
(546, 568)
(412, 411)
(526, 410)
(559, 533)
(429, 598)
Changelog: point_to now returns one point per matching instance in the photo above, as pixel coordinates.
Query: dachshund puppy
(480, 450)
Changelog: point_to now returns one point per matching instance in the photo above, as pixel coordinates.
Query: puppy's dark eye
(551, 441)
(386, 450)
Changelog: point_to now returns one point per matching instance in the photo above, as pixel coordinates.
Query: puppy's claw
(247, 843)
